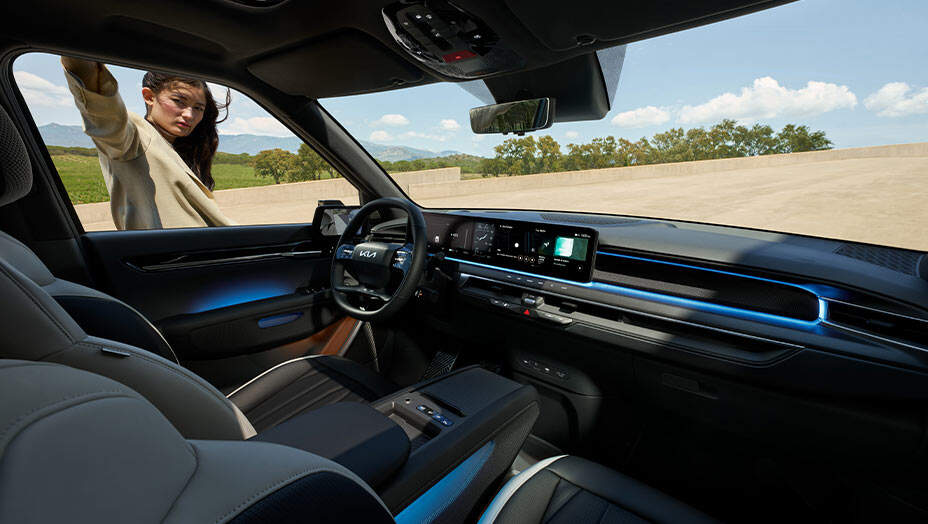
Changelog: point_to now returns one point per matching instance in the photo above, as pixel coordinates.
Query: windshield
(790, 120)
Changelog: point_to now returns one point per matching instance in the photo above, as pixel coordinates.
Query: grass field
(83, 179)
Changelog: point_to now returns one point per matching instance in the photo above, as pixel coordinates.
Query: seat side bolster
(194, 406)
(233, 476)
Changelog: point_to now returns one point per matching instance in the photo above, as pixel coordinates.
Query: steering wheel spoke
(402, 258)
(363, 291)
(344, 251)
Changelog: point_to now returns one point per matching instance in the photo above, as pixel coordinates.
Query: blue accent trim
(279, 320)
(698, 305)
(240, 293)
(433, 502)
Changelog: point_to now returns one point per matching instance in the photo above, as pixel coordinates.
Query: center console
(433, 448)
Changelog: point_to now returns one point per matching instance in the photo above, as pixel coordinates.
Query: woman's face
(176, 110)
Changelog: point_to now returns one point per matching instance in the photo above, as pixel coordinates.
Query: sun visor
(565, 25)
(345, 63)
(583, 87)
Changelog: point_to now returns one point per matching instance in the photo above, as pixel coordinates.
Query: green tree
(310, 165)
(549, 155)
(277, 164)
(518, 155)
(795, 139)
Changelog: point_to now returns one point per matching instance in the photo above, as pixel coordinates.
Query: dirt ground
(876, 200)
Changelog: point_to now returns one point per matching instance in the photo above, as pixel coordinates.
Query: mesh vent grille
(587, 219)
(896, 259)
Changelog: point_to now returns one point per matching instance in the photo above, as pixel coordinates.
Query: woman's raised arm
(86, 70)
(106, 121)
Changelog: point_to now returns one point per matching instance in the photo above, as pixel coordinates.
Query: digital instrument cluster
(549, 250)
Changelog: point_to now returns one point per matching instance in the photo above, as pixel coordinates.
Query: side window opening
(132, 150)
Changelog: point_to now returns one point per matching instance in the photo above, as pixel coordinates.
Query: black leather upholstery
(352, 434)
(307, 383)
(574, 490)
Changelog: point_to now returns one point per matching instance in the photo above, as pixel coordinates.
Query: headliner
(319, 50)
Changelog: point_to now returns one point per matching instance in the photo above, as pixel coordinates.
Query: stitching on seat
(196, 467)
(179, 371)
(266, 371)
(70, 401)
(273, 487)
(300, 395)
(566, 502)
(608, 499)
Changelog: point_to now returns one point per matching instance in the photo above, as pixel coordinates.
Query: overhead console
(563, 252)
(449, 40)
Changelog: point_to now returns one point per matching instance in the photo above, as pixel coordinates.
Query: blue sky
(855, 69)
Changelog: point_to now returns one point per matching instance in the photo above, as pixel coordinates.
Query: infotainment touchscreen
(550, 250)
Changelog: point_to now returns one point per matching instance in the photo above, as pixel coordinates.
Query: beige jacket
(150, 186)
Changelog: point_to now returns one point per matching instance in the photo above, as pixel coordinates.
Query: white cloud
(259, 125)
(40, 92)
(450, 124)
(642, 117)
(391, 120)
(893, 100)
(572, 134)
(766, 98)
(380, 136)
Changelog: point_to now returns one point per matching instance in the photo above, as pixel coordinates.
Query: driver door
(232, 301)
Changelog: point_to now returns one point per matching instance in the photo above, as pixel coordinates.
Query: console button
(561, 374)
(446, 422)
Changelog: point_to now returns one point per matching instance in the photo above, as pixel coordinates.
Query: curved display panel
(556, 251)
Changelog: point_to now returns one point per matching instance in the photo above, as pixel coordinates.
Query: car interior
(417, 364)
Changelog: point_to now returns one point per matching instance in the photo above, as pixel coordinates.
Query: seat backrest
(36, 328)
(97, 313)
(78, 447)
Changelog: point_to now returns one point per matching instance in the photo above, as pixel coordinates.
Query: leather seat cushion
(574, 490)
(304, 384)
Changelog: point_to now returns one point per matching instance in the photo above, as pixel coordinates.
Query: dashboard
(557, 251)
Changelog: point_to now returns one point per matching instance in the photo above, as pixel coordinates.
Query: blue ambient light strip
(698, 305)
(433, 502)
(239, 293)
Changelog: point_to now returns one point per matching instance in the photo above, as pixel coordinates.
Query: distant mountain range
(73, 136)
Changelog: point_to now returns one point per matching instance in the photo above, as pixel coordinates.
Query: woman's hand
(88, 71)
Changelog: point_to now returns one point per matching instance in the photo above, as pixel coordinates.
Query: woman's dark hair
(198, 148)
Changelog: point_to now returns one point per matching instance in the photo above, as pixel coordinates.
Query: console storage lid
(349, 433)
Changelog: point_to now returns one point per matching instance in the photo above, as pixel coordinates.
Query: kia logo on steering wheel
(367, 253)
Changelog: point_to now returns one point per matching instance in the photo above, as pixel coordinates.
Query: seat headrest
(15, 169)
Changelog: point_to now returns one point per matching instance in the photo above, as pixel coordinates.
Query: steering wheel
(378, 266)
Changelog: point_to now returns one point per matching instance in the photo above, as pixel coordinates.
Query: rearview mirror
(513, 117)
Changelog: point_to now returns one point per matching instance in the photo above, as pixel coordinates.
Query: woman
(157, 168)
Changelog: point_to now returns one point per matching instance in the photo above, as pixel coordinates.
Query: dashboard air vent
(725, 288)
(879, 323)
(899, 260)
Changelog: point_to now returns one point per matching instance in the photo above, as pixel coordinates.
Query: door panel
(219, 294)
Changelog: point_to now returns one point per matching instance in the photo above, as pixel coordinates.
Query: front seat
(276, 395)
(78, 447)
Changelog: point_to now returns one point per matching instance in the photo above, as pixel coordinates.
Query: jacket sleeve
(106, 120)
